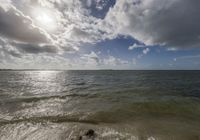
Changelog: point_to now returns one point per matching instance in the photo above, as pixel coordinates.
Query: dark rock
(89, 133)
(80, 138)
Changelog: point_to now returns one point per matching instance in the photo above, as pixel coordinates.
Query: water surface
(134, 105)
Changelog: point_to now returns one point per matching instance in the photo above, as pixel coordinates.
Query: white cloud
(113, 61)
(95, 61)
(187, 57)
(92, 59)
(172, 49)
(145, 51)
(135, 45)
(5, 4)
(100, 4)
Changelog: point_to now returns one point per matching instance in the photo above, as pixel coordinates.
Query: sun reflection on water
(43, 82)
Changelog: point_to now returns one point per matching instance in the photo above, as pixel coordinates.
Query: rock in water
(80, 138)
(90, 133)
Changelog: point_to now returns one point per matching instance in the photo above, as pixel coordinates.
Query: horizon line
(99, 69)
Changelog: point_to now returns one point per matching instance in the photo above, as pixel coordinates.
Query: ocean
(116, 105)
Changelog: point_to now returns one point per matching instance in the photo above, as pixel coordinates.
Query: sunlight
(44, 18)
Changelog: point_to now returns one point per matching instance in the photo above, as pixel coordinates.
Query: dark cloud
(7, 49)
(20, 36)
(35, 49)
(14, 25)
(13, 53)
(18, 49)
(171, 23)
(178, 25)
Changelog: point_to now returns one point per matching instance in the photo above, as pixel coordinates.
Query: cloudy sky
(100, 34)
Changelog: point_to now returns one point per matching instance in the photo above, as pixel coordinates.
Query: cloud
(24, 39)
(5, 4)
(113, 61)
(101, 4)
(92, 58)
(19, 27)
(187, 57)
(16, 26)
(145, 51)
(174, 24)
(11, 58)
(175, 59)
(172, 49)
(134, 46)
(7, 49)
(95, 61)
(158, 22)
(35, 49)
(155, 22)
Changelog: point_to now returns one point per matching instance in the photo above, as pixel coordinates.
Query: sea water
(124, 105)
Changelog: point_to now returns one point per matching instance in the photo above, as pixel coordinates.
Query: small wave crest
(36, 99)
(76, 118)
(43, 119)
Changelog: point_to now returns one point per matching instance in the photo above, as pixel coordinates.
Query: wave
(57, 119)
(36, 99)
(43, 119)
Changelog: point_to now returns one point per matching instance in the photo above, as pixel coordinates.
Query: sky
(100, 34)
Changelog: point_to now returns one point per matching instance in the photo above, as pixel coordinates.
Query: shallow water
(135, 105)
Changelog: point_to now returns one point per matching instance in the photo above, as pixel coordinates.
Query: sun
(44, 18)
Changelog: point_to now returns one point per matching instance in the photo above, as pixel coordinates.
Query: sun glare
(44, 18)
